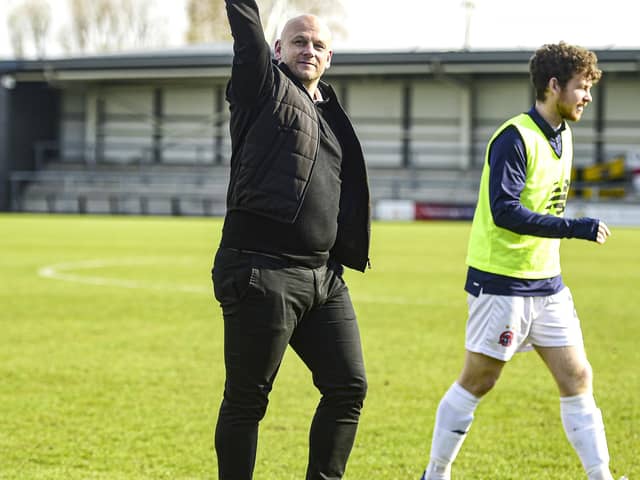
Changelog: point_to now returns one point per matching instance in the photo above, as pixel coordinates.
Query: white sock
(582, 421)
(453, 419)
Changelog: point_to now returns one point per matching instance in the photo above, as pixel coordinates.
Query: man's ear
(329, 57)
(554, 85)
(277, 51)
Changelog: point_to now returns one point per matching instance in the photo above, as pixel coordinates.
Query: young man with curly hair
(516, 295)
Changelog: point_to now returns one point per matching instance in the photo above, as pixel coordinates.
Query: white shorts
(499, 326)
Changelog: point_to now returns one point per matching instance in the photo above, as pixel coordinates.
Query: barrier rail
(204, 193)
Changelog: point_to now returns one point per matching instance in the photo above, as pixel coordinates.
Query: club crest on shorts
(506, 338)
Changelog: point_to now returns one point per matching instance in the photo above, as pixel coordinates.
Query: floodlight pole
(468, 6)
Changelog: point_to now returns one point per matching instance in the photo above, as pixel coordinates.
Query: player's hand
(603, 232)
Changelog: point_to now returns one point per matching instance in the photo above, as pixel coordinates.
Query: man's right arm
(251, 70)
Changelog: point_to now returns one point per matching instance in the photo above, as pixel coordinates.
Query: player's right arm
(507, 177)
(251, 72)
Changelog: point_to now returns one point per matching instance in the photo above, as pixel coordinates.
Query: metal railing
(204, 193)
(75, 191)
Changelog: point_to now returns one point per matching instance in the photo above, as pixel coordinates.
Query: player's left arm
(603, 232)
(508, 175)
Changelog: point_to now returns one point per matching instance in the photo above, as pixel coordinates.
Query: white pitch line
(60, 271)
(63, 271)
(395, 300)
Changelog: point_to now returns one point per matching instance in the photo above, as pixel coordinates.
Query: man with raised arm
(297, 212)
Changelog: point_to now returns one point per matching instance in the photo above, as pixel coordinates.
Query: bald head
(310, 23)
(305, 48)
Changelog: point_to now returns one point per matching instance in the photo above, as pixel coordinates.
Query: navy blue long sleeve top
(507, 177)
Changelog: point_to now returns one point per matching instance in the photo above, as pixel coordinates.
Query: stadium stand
(124, 189)
(194, 190)
(147, 133)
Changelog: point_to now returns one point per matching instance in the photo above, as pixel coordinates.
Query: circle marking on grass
(73, 272)
(68, 271)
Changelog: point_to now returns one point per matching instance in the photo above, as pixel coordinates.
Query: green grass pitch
(111, 356)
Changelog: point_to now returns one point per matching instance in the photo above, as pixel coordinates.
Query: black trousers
(267, 304)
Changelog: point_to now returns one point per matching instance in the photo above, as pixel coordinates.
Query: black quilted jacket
(275, 136)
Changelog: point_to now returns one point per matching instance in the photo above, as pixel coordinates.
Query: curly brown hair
(562, 61)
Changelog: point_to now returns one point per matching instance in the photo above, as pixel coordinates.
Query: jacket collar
(325, 89)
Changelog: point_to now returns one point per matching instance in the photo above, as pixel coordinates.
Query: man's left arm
(508, 175)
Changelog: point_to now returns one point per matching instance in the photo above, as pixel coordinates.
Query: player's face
(305, 47)
(574, 98)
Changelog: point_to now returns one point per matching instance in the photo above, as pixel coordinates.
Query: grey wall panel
(438, 111)
(375, 108)
(72, 125)
(622, 117)
(126, 123)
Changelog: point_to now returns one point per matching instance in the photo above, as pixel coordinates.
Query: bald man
(297, 213)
